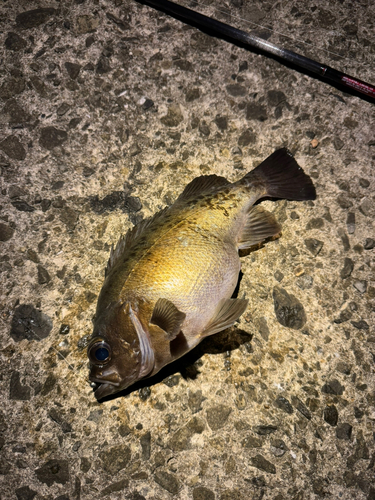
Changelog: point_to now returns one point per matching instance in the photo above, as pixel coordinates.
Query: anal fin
(260, 225)
(226, 314)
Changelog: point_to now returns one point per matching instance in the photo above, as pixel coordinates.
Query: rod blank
(225, 30)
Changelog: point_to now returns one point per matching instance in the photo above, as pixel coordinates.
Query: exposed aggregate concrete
(107, 110)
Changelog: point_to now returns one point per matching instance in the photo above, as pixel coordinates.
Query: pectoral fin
(260, 225)
(167, 317)
(226, 314)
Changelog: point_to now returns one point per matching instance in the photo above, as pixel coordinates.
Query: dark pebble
(344, 238)
(313, 245)
(69, 216)
(43, 275)
(22, 206)
(333, 387)
(338, 143)
(58, 418)
(114, 487)
(135, 496)
(261, 324)
(343, 367)
(202, 493)
(251, 442)
(350, 222)
(262, 464)
(115, 458)
(34, 18)
(25, 493)
(29, 323)
(144, 393)
(195, 400)
(278, 275)
(255, 111)
(149, 103)
(85, 465)
(167, 481)
(63, 109)
(6, 232)
(64, 329)
(317, 223)
(116, 200)
(123, 25)
(344, 431)
(173, 117)
(284, 404)
(192, 94)
(344, 201)
(124, 430)
(48, 385)
(288, 309)
(360, 325)
(203, 128)
(331, 415)
(95, 416)
(236, 90)
(17, 391)
(294, 215)
(14, 42)
(369, 244)
(146, 446)
(181, 438)
(217, 416)
(73, 69)
(221, 122)
(278, 447)
(346, 271)
(247, 137)
(13, 148)
(12, 87)
(275, 97)
(301, 407)
(45, 204)
(51, 137)
(53, 471)
(264, 430)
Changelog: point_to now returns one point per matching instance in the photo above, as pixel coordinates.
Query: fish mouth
(104, 388)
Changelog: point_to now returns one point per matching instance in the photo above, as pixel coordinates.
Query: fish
(169, 281)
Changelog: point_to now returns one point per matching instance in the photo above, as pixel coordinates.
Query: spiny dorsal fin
(130, 238)
(201, 185)
(226, 314)
(260, 225)
(167, 317)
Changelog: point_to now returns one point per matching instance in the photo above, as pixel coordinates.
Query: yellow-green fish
(170, 279)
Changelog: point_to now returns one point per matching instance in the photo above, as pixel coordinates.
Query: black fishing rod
(231, 33)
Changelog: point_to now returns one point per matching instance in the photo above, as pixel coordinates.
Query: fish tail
(280, 176)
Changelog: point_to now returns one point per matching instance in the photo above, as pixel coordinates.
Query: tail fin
(282, 177)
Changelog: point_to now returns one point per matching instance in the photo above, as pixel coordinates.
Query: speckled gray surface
(108, 109)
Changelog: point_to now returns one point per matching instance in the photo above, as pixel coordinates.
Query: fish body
(170, 279)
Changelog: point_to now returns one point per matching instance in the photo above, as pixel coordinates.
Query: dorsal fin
(128, 239)
(201, 185)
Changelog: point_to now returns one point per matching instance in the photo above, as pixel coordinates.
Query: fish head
(120, 351)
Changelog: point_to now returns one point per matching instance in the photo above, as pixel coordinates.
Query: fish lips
(104, 388)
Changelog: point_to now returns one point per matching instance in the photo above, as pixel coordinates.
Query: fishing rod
(229, 32)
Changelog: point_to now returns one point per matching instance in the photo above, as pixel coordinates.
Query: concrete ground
(107, 110)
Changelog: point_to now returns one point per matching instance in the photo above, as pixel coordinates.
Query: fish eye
(99, 353)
